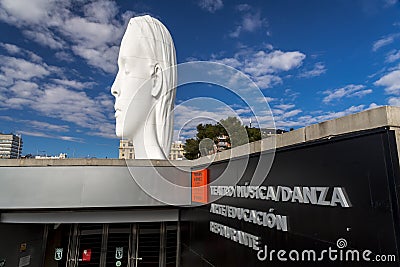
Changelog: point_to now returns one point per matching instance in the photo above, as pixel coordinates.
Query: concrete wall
(92, 186)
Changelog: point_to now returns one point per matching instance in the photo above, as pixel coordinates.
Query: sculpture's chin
(118, 133)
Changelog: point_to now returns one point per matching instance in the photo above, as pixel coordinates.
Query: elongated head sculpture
(144, 88)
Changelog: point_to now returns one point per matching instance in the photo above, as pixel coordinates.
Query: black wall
(365, 164)
(11, 238)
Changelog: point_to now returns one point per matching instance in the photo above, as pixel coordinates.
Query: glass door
(148, 245)
(90, 244)
(118, 245)
(104, 245)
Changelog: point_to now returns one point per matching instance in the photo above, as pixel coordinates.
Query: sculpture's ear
(157, 80)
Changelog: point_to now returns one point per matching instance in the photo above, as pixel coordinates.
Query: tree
(231, 127)
(254, 134)
(235, 130)
(191, 149)
(208, 131)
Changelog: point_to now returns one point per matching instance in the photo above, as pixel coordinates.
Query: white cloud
(92, 34)
(41, 125)
(47, 126)
(104, 58)
(291, 113)
(282, 112)
(24, 89)
(233, 62)
(384, 41)
(265, 99)
(64, 56)
(55, 24)
(27, 11)
(285, 106)
(33, 57)
(15, 50)
(77, 107)
(250, 21)
(243, 7)
(373, 105)
(55, 97)
(308, 119)
(391, 81)
(350, 90)
(18, 68)
(11, 49)
(333, 115)
(236, 32)
(266, 81)
(389, 3)
(211, 5)
(46, 135)
(270, 62)
(74, 84)
(46, 38)
(393, 56)
(100, 11)
(263, 66)
(184, 114)
(269, 99)
(319, 69)
(188, 115)
(394, 101)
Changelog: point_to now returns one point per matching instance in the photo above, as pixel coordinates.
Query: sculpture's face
(132, 88)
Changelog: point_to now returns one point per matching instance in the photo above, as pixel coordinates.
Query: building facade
(177, 151)
(223, 143)
(327, 196)
(61, 156)
(10, 146)
(126, 149)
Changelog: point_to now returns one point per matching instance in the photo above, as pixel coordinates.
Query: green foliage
(191, 149)
(254, 134)
(231, 126)
(235, 130)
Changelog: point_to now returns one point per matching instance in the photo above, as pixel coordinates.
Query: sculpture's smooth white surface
(145, 86)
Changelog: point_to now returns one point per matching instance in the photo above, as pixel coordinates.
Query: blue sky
(312, 60)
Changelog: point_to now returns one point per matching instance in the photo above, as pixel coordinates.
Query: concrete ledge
(90, 162)
(393, 116)
(369, 119)
(291, 138)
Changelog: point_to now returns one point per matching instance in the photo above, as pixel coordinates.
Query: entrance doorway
(105, 245)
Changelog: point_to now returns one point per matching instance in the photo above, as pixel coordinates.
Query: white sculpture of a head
(145, 86)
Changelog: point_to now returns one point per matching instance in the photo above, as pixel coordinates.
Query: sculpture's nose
(115, 90)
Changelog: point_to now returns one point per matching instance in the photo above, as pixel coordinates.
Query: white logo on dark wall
(119, 253)
(58, 254)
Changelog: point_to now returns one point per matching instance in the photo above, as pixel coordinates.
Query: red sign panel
(200, 186)
(86, 255)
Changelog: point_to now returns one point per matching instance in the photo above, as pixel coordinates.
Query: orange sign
(200, 186)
